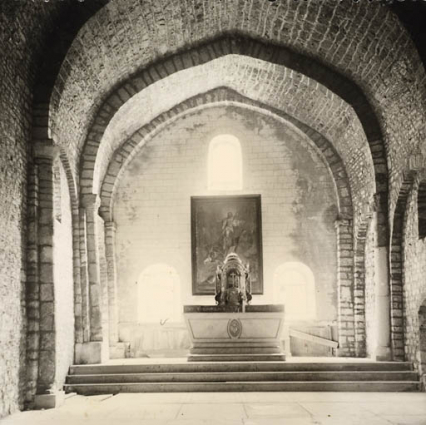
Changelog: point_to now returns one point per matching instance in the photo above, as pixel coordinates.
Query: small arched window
(421, 209)
(225, 164)
(159, 295)
(294, 286)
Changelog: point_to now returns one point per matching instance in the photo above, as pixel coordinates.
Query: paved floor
(234, 408)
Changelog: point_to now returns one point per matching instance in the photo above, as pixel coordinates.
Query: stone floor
(234, 408)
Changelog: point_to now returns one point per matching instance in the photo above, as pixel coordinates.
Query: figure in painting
(229, 225)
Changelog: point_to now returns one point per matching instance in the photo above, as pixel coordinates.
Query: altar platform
(152, 375)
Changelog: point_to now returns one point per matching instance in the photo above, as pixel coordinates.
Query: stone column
(345, 278)
(46, 394)
(112, 281)
(95, 350)
(32, 288)
(382, 350)
(84, 276)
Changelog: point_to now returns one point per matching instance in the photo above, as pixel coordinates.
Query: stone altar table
(234, 330)
(224, 333)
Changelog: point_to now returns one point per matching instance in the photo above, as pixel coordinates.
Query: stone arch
(281, 23)
(129, 149)
(344, 88)
(65, 22)
(397, 269)
(331, 159)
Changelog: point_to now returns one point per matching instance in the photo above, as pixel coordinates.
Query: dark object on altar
(233, 287)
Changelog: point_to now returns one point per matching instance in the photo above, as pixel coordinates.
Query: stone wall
(414, 287)
(14, 134)
(152, 208)
(64, 285)
(13, 160)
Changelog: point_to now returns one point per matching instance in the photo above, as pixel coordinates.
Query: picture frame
(220, 225)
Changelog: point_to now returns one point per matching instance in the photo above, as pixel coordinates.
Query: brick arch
(340, 123)
(145, 33)
(396, 258)
(221, 96)
(65, 20)
(366, 54)
(347, 90)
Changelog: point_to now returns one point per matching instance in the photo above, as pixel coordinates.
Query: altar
(218, 333)
(234, 330)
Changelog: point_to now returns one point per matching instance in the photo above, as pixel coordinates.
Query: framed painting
(221, 225)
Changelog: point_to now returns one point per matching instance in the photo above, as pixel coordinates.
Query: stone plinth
(224, 333)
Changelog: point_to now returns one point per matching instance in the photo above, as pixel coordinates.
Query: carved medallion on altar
(235, 328)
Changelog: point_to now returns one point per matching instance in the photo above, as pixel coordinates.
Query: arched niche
(294, 286)
(159, 295)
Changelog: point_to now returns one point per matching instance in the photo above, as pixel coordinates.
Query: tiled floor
(234, 408)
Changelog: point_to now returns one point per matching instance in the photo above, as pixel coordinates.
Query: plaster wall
(152, 204)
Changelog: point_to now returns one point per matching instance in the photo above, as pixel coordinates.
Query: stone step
(237, 367)
(364, 386)
(236, 357)
(242, 376)
(236, 350)
(240, 343)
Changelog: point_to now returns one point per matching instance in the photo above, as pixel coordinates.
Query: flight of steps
(241, 376)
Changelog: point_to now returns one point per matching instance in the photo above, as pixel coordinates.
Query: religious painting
(221, 225)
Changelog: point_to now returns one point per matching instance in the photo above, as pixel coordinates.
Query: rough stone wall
(21, 39)
(13, 160)
(14, 134)
(152, 208)
(414, 286)
(64, 285)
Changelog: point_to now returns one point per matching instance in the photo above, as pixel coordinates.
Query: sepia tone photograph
(213, 212)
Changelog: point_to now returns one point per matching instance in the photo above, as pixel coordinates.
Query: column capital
(110, 225)
(416, 160)
(342, 221)
(45, 149)
(90, 200)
